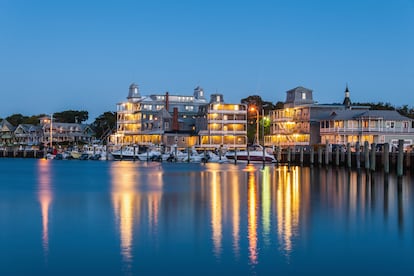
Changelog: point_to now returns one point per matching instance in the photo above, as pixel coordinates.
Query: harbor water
(71, 217)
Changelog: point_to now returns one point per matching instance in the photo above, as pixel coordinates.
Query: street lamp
(257, 123)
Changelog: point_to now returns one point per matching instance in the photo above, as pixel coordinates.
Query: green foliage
(16, 119)
(279, 105)
(377, 106)
(257, 102)
(406, 111)
(71, 116)
(104, 124)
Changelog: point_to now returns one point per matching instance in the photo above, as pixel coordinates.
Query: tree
(104, 124)
(256, 102)
(71, 116)
(16, 119)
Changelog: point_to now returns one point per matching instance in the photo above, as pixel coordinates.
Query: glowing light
(45, 199)
(236, 213)
(252, 218)
(216, 209)
(288, 204)
(266, 203)
(124, 197)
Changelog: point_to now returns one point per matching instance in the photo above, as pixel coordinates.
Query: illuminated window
(303, 96)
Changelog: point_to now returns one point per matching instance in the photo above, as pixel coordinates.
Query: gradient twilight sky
(83, 55)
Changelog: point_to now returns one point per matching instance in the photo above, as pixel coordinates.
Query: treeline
(103, 124)
(403, 110)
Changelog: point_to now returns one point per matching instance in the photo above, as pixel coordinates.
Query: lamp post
(257, 123)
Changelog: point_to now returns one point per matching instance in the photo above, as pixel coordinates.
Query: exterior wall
(223, 125)
(373, 130)
(138, 118)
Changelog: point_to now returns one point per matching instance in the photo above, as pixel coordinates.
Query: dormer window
(303, 96)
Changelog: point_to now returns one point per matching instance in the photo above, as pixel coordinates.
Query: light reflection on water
(267, 203)
(217, 218)
(45, 198)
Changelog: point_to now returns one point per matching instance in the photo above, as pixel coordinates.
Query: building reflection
(45, 198)
(266, 205)
(216, 212)
(132, 206)
(288, 208)
(252, 203)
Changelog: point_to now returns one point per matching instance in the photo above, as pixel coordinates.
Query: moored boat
(254, 155)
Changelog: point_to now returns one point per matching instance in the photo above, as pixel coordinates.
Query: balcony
(366, 130)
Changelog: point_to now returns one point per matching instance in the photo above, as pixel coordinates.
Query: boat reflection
(45, 197)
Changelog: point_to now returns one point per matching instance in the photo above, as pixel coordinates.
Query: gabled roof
(163, 113)
(6, 126)
(350, 114)
(29, 127)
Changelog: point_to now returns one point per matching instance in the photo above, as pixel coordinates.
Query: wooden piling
(320, 155)
(248, 155)
(373, 156)
(301, 156)
(358, 155)
(235, 156)
(386, 151)
(133, 153)
(327, 153)
(400, 157)
(337, 156)
(288, 155)
(311, 157)
(366, 155)
(348, 155)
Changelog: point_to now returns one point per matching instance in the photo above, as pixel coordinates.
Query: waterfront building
(35, 135)
(298, 122)
(66, 133)
(374, 126)
(158, 118)
(28, 134)
(6, 133)
(221, 124)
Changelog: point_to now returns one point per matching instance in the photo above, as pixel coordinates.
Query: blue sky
(60, 55)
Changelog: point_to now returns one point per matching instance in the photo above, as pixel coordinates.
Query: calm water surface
(111, 218)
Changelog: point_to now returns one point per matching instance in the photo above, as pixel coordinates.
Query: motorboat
(254, 154)
(126, 153)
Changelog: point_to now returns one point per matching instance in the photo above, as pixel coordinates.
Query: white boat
(126, 153)
(96, 152)
(214, 158)
(254, 155)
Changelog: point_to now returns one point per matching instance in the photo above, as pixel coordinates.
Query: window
(303, 96)
(189, 108)
(405, 124)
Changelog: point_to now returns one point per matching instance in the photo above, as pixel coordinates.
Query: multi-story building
(374, 126)
(298, 123)
(222, 124)
(158, 118)
(35, 135)
(6, 133)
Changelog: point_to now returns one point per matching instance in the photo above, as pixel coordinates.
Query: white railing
(365, 130)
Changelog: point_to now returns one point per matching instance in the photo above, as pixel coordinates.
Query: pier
(367, 157)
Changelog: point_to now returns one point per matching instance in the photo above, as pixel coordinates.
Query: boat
(254, 154)
(126, 153)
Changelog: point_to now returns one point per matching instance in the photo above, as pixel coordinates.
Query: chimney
(167, 101)
(175, 126)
